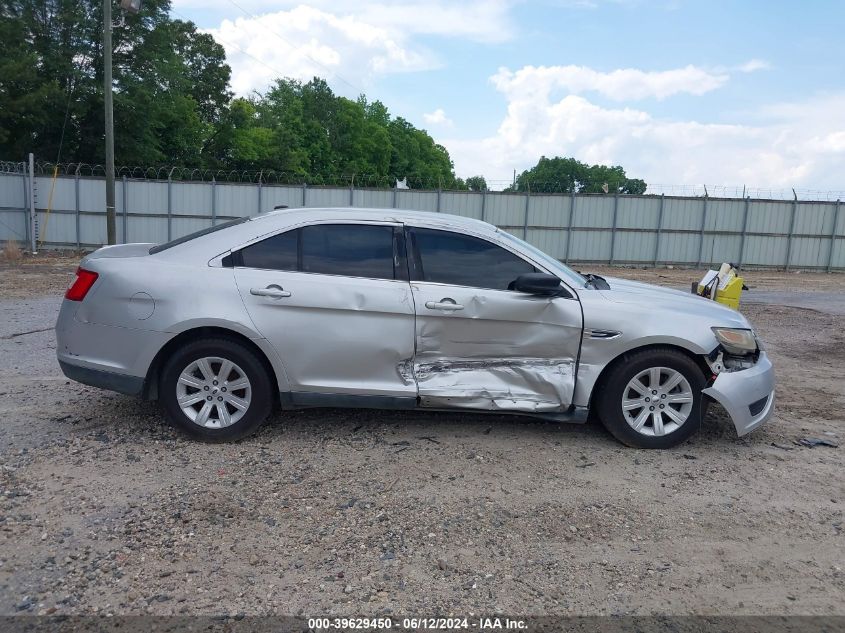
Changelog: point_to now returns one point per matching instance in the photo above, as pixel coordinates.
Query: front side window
(351, 250)
(461, 260)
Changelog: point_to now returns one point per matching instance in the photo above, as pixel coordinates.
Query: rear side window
(279, 252)
(351, 250)
(461, 260)
(348, 249)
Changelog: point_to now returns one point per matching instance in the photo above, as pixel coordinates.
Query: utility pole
(111, 232)
(130, 6)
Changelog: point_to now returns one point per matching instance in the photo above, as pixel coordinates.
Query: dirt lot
(104, 509)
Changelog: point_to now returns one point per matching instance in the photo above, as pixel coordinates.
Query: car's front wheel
(652, 398)
(215, 390)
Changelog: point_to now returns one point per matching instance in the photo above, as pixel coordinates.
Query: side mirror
(539, 284)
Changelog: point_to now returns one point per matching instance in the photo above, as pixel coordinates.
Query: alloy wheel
(213, 392)
(657, 401)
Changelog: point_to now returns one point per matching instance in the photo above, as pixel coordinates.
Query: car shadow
(128, 419)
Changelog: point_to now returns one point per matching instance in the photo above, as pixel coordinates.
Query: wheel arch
(698, 359)
(150, 391)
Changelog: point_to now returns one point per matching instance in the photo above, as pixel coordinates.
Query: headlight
(736, 340)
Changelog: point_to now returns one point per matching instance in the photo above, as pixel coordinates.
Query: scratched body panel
(502, 351)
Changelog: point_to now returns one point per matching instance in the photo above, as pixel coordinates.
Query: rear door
(480, 345)
(335, 302)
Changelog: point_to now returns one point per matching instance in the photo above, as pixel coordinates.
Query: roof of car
(216, 241)
(356, 213)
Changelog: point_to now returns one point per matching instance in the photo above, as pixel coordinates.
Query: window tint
(275, 253)
(461, 260)
(348, 249)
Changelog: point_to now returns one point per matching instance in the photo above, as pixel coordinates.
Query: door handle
(444, 304)
(273, 291)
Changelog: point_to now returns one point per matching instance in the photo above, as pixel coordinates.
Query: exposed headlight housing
(736, 340)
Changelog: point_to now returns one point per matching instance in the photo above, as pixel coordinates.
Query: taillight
(81, 285)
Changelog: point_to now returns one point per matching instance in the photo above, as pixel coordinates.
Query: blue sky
(679, 93)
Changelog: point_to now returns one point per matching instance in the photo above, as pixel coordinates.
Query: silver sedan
(382, 308)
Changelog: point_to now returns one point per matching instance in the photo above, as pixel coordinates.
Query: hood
(668, 300)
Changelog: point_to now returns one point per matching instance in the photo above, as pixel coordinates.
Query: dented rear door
(480, 345)
(334, 300)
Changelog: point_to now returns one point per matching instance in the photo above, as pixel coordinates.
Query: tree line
(173, 106)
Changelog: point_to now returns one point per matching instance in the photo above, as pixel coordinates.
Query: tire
(658, 427)
(217, 408)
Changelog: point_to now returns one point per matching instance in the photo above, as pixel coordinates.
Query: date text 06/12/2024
(417, 624)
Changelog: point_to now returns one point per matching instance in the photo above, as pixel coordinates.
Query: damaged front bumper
(747, 395)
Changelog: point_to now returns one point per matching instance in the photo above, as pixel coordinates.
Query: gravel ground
(105, 509)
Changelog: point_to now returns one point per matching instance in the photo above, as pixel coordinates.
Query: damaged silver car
(391, 309)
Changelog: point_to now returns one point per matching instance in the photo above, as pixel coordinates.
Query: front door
(480, 345)
(334, 301)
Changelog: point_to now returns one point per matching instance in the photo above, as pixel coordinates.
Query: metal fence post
(125, 211)
(569, 228)
(701, 234)
(33, 221)
(25, 206)
(438, 201)
(483, 203)
(833, 237)
(659, 229)
(213, 201)
(791, 231)
(76, 208)
(304, 188)
(394, 197)
(613, 228)
(525, 215)
(744, 231)
(169, 205)
(352, 192)
(260, 176)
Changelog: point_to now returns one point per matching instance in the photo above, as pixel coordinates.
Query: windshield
(562, 271)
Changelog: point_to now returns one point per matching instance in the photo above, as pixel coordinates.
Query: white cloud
(349, 43)
(438, 117)
(620, 85)
(798, 144)
(753, 65)
(476, 20)
(305, 42)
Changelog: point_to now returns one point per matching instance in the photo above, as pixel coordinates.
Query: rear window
(191, 236)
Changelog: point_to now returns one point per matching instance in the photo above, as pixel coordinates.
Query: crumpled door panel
(515, 384)
(503, 351)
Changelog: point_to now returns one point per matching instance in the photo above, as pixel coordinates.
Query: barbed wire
(264, 176)
(411, 181)
(759, 193)
(11, 167)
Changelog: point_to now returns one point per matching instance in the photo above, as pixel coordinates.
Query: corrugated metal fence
(643, 230)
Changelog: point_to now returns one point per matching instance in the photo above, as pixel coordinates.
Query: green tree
(476, 183)
(170, 83)
(173, 104)
(568, 175)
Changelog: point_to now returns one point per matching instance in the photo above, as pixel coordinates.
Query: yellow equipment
(724, 286)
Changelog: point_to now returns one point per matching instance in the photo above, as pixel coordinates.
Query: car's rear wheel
(652, 398)
(215, 390)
